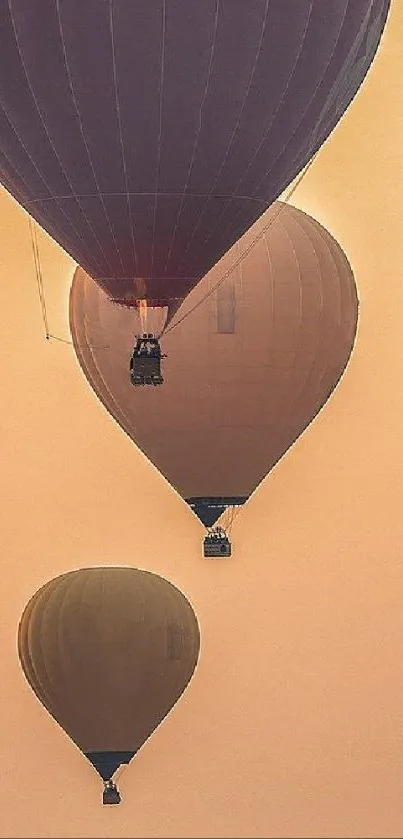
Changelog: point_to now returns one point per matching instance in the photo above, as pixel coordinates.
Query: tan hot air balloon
(108, 651)
(246, 371)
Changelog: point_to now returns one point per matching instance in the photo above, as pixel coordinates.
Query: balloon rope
(41, 292)
(235, 513)
(246, 251)
(39, 277)
(228, 516)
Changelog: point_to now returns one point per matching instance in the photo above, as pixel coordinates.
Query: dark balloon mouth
(106, 763)
(209, 509)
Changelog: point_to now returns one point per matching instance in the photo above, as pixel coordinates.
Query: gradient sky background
(293, 723)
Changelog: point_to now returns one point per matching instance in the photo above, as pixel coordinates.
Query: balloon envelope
(246, 371)
(146, 137)
(108, 652)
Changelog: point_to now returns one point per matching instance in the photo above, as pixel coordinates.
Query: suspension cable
(39, 277)
(247, 250)
(235, 512)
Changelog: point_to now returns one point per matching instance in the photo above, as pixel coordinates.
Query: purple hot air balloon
(147, 136)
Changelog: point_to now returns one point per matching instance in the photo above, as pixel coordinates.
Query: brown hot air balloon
(108, 651)
(247, 370)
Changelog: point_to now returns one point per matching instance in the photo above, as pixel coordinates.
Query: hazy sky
(293, 723)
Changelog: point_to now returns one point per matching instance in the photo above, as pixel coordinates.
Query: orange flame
(143, 308)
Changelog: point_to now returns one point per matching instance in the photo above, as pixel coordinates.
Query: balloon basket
(145, 362)
(111, 794)
(216, 544)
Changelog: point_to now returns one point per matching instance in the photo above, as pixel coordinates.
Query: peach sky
(293, 723)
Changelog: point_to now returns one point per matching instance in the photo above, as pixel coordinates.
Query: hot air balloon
(146, 137)
(108, 651)
(249, 363)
